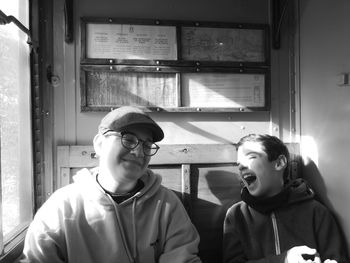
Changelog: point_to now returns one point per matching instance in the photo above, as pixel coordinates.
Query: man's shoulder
(168, 193)
(62, 196)
(82, 185)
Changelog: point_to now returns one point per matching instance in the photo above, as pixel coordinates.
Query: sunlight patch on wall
(308, 149)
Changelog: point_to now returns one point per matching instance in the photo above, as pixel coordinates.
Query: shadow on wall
(214, 192)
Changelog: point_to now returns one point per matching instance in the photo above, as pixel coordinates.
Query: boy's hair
(273, 147)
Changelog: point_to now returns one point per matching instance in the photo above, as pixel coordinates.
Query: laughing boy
(277, 220)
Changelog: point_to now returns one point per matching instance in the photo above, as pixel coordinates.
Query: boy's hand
(305, 254)
(302, 254)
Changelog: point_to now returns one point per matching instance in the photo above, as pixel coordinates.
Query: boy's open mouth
(249, 178)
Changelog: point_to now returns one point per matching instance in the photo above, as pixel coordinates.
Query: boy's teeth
(249, 178)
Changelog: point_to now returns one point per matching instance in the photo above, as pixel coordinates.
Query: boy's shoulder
(240, 206)
(311, 205)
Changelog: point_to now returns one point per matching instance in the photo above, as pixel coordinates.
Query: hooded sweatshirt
(81, 223)
(292, 218)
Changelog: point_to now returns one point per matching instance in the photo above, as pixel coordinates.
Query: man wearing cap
(118, 211)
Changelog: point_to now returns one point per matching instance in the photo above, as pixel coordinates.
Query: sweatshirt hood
(299, 191)
(85, 180)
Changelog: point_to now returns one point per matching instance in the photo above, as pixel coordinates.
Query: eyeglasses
(130, 142)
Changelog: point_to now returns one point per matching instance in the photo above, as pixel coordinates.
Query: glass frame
(251, 56)
(122, 136)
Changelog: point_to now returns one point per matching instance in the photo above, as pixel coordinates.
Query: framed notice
(223, 90)
(125, 39)
(105, 89)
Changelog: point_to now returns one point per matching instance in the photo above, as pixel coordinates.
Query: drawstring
(132, 258)
(134, 229)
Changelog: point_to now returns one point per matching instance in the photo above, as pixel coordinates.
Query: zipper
(275, 233)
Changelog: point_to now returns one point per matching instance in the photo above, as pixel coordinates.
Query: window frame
(11, 247)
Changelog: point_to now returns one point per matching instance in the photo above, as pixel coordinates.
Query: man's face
(259, 175)
(124, 164)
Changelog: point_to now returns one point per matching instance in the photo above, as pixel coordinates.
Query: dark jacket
(266, 236)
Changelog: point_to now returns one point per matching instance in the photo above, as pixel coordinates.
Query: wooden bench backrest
(203, 176)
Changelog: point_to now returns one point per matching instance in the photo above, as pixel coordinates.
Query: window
(16, 166)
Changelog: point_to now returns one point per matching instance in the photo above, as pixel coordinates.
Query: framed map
(223, 44)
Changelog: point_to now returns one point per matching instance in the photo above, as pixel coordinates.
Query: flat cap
(128, 116)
